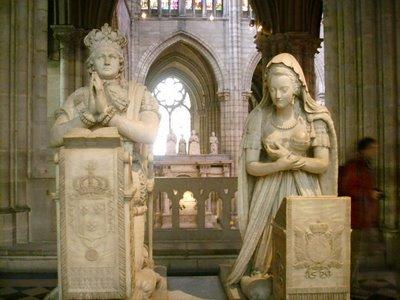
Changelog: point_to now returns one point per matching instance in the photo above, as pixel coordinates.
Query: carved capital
(63, 33)
(223, 96)
(246, 96)
(68, 35)
(296, 43)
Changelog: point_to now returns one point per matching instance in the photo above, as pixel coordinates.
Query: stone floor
(378, 286)
(37, 286)
(26, 286)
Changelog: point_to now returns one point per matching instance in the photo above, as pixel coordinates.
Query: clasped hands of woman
(286, 160)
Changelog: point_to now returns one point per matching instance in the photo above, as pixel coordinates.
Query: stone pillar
(65, 34)
(166, 211)
(208, 222)
(72, 69)
(233, 117)
(80, 71)
(23, 119)
(233, 109)
(203, 129)
(301, 45)
(363, 88)
(203, 9)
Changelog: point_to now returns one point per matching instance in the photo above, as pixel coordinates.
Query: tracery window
(175, 106)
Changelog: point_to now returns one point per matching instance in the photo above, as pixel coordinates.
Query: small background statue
(182, 146)
(213, 143)
(194, 144)
(171, 143)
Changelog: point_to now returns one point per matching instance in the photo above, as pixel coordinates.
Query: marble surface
(205, 287)
(381, 284)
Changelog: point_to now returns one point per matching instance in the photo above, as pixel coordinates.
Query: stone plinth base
(311, 238)
(93, 248)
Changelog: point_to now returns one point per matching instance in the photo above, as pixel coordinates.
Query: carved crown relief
(91, 184)
(318, 250)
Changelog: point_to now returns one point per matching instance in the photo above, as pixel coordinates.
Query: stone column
(23, 118)
(66, 34)
(203, 129)
(301, 45)
(209, 216)
(363, 88)
(80, 71)
(233, 109)
(166, 211)
(203, 9)
(233, 117)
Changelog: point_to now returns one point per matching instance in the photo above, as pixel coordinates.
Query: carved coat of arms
(318, 250)
(91, 211)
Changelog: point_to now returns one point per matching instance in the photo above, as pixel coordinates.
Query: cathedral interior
(204, 62)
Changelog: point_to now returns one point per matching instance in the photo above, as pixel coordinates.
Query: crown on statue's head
(105, 37)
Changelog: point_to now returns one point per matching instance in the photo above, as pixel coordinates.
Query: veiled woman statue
(110, 101)
(288, 148)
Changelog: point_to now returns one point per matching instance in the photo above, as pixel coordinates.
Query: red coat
(357, 180)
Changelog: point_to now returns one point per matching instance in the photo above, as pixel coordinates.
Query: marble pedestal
(93, 238)
(311, 237)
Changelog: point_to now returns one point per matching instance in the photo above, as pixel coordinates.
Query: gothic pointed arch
(249, 70)
(194, 70)
(154, 51)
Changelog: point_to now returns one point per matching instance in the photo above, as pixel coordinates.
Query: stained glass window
(164, 4)
(153, 4)
(174, 4)
(209, 5)
(218, 5)
(175, 112)
(144, 4)
(171, 7)
(198, 4)
(245, 5)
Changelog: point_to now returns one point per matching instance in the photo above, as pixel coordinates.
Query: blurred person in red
(357, 180)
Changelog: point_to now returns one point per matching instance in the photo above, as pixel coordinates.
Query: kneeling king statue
(108, 107)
